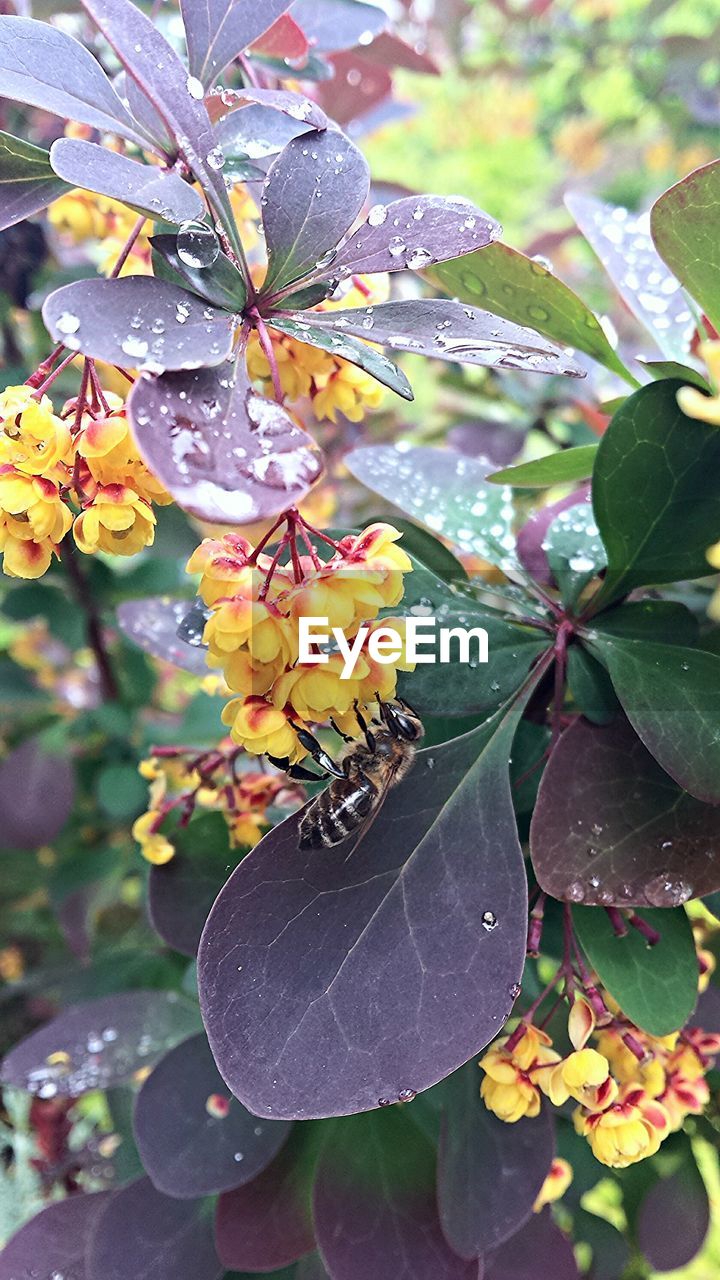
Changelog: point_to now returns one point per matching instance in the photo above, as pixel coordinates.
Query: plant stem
(93, 622)
(128, 246)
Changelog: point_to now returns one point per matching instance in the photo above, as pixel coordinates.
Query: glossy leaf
(142, 186)
(284, 39)
(37, 793)
(44, 67)
(152, 623)
(611, 828)
(258, 131)
(139, 323)
(656, 491)
(412, 233)
(509, 284)
(53, 1242)
(307, 114)
(531, 536)
(683, 229)
(656, 987)
(445, 330)
(623, 244)
(539, 1251)
(144, 1234)
(344, 348)
(190, 1145)
(27, 181)
(414, 942)
(671, 695)
(218, 30)
(564, 467)
(224, 452)
(375, 1206)
(610, 1249)
(157, 69)
(591, 687)
(489, 1172)
(574, 550)
(663, 620)
(313, 192)
(674, 1217)
(446, 493)
(268, 1223)
(220, 284)
(181, 893)
(100, 1042)
(338, 24)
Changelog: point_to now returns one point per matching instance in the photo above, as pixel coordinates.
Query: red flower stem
(97, 389)
(317, 533)
(524, 776)
(43, 369)
(618, 922)
(93, 622)
(273, 566)
(651, 936)
(317, 563)
(39, 391)
(252, 559)
(128, 247)
(124, 373)
(535, 929)
(267, 346)
(565, 630)
(634, 1045)
(595, 1000)
(527, 1017)
(80, 406)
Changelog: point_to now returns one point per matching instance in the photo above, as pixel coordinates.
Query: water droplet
(197, 245)
(666, 891)
(407, 1095)
(396, 247)
(135, 347)
(384, 1102)
(575, 892)
(515, 990)
(215, 158)
(489, 920)
(67, 323)
(377, 215)
(418, 258)
(195, 88)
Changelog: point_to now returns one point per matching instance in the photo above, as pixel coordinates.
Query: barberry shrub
(412, 1053)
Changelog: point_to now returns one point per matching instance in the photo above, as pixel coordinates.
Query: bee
(368, 770)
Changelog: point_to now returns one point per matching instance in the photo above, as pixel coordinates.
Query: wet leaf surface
(220, 283)
(337, 24)
(27, 181)
(98, 1043)
(574, 550)
(37, 793)
(147, 1235)
(225, 453)
(612, 828)
(685, 234)
(531, 536)
(656, 987)
(152, 623)
(333, 980)
(194, 1138)
(344, 348)
(142, 186)
(218, 30)
(139, 323)
(258, 131)
(53, 1242)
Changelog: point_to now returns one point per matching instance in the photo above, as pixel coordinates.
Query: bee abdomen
(337, 813)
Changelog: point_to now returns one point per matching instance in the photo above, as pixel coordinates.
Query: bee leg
(369, 737)
(345, 736)
(321, 757)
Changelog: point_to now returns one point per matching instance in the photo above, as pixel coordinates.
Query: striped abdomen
(337, 812)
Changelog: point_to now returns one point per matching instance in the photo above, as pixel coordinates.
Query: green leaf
(509, 284)
(662, 620)
(221, 283)
(434, 555)
(564, 467)
(27, 180)
(656, 492)
(656, 987)
(671, 696)
(683, 223)
(591, 686)
(574, 550)
(120, 791)
(659, 369)
(354, 350)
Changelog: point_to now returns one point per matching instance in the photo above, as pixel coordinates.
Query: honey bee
(361, 781)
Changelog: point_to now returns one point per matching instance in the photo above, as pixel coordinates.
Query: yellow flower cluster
(209, 782)
(52, 465)
(82, 216)
(627, 1103)
(331, 384)
(252, 633)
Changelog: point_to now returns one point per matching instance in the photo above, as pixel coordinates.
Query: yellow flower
(77, 217)
(694, 402)
(316, 690)
(584, 1075)
(32, 506)
(626, 1067)
(33, 439)
(508, 1089)
(262, 728)
(555, 1185)
(346, 390)
(223, 565)
(117, 520)
(627, 1131)
(112, 457)
(154, 846)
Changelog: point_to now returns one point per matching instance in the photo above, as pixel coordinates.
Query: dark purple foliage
(532, 535)
(181, 893)
(489, 1172)
(334, 981)
(258, 131)
(27, 182)
(338, 24)
(189, 1146)
(140, 323)
(340, 345)
(674, 1218)
(313, 192)
(539, 1251)
(53, 1243)
(218, 30)
(306, 113)
(497, 441)
(152, 624)
(225, 453)
(37, 792)
(144, 1234)
(268, 1223)
(612, 828)
(375, 1208)
(447, 330)
(144, 187)
(100, 1043)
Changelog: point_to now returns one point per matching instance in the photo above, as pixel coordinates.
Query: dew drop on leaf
(197, 245)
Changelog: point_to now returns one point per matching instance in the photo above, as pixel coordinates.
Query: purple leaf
(497, 441)
(313, 193)
(268, 1223)
(413, 233)
(311, 1268)
(489, 1172)
(539, 1251)
(44, 67)
(218, 30)
(338, 24)
(674, 1217)
(359, 94)
(295, 105)
(143, 111)
(188, 1148)
(532, 535)
(149, 1236)
(332, 983)
(448, 330)
(152, 624)
(345, 348)
(144, 187)
(37, 790)
(624, 246)
(224, 452)
(182, 891)
(156, 68)
(612, 828)
(388, 50)
(258, 131)
(139, 323)
(375, 1208)
(27, 181)
(102, 1043)
(53, 1242)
